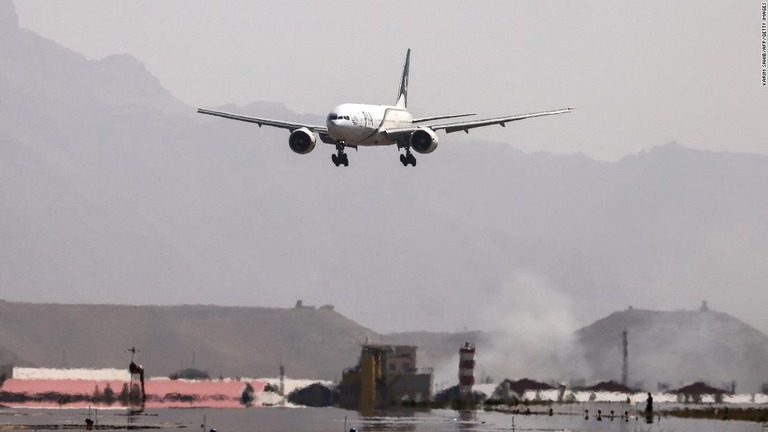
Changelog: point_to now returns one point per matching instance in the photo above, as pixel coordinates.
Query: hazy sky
(640, 73)
(163, 209)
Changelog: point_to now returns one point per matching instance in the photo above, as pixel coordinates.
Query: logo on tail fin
(402, 95)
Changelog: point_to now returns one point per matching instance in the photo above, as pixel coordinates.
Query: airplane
(352, 125)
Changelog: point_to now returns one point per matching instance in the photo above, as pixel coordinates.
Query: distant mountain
(250, 342)
(112, 191)
(315, 343)
(677, 347)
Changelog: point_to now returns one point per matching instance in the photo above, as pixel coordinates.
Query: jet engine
(424, 140)
(302, 141)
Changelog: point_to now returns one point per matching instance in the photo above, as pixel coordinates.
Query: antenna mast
(625, 363)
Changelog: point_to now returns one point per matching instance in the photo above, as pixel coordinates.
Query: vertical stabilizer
(402, 95)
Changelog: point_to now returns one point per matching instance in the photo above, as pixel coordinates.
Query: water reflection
(395, 422)
(421, 421)
(333, 420)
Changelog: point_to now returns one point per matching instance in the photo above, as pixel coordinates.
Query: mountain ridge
(112, 192)
(226, 340)
(675, 347)
(664, 346)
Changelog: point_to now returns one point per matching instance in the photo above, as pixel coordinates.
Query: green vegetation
(124, 395)
(109, 395)
(247, 397)
(97, 396)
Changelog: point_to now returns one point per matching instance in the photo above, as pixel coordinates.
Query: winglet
(402, 95)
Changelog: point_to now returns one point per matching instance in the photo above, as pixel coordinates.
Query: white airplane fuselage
(361, 125)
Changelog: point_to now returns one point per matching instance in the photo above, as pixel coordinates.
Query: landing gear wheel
(335, 159)
(407, 159)
(343, 159)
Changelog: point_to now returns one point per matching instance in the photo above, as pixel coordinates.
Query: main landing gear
(340, 158)
(407, 158)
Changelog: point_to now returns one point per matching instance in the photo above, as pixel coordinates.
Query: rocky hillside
(677, 347)
(229, 341)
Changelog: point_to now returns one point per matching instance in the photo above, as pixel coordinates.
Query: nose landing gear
(340, 158)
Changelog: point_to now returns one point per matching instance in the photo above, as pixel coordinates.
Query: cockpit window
(332, 116)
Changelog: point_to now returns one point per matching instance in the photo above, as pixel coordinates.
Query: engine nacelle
(302, 141)
(424, 140)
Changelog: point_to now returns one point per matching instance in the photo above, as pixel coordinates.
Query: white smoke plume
(529, 334)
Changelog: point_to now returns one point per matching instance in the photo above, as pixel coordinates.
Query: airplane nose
(333, 128)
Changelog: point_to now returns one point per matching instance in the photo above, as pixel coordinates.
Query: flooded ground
(337, 420)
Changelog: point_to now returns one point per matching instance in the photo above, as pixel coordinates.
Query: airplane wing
(441, 117)
(471, 124)
(467, 125)
(265, 121)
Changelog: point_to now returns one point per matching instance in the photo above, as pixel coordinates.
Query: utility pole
(625, 363)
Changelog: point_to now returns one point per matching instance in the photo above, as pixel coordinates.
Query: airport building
(385, 375)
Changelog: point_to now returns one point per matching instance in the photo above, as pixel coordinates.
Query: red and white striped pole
(466, 370)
